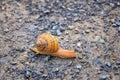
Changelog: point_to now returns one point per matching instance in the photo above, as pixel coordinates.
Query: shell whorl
(47, 43)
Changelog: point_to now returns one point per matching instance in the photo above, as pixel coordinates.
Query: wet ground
(91, 28)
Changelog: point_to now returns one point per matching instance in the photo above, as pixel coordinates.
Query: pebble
(13, 63)
(87, 31)
(14, 68)
(97, 69)
(62, 29)
(47, 58)
(56, 70)
(97, 38)
(115, 67)
(45, 10)
(34, 75)
(41, 70)
(3, 60)
(118, 62)
(79, 44)
(69, 63)
(78, 66)
(117, 22)
(112, 4)
(17, 27)
(58, 32)
(6, 30)
(44, 75)
(96, 61)
(32, 60)
(76, 70)
(27, 74)
(33, 27)
(105, 77)
(106, 68)
(102, 41)
(15, 3)
(50, 74)
(119, 30)
(70, 27)
(116, 70)
(106, 28)
(20, 49)
(108, 64)
(21, 72)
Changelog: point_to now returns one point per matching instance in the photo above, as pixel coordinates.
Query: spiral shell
(47, 43)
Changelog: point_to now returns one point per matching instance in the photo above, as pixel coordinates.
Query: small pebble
(15, 4)
(76, 70)
(106, 68)
(108, 64)
(13, 63)
(87, 31)
(115, 67)
(42, 70)
(27, 74)
(50, 74)
(70, 27)
(102, 41)
(105, 77)
(56, 70)
(47, 58)
(14, 68)
(58, 32)
(96, 38)
(112, 4)
(96, 61)
(78, 66)
(21, 71)
(33, 27)
(44, 75)
(34, 74)
(6, 30)
(3, 60)
(69, 63)
(45, 10)
(117, 22)
(118, 62)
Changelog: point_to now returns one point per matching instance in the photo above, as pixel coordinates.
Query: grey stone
(71, 27)
(33, 27)
(13, 63)
(27, 74)
(78, 66)
(6, 30)
(103, 77)
(14, 68)
(118, 62)
(102, 41)
(3, 60)
(87, 31)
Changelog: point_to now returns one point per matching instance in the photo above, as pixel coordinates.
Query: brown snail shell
(48, 44)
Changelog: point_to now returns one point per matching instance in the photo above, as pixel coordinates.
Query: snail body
(48, 44)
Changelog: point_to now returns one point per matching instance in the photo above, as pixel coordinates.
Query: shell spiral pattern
(47, 43)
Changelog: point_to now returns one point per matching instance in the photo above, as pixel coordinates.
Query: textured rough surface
(91, 28)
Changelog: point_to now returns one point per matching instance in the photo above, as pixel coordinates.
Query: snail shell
(48, 44)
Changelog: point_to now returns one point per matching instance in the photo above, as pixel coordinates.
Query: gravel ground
(91, 28)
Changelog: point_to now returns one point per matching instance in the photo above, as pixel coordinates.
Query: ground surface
(91, 28)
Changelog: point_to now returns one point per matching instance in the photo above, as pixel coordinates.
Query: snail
(48, 44)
